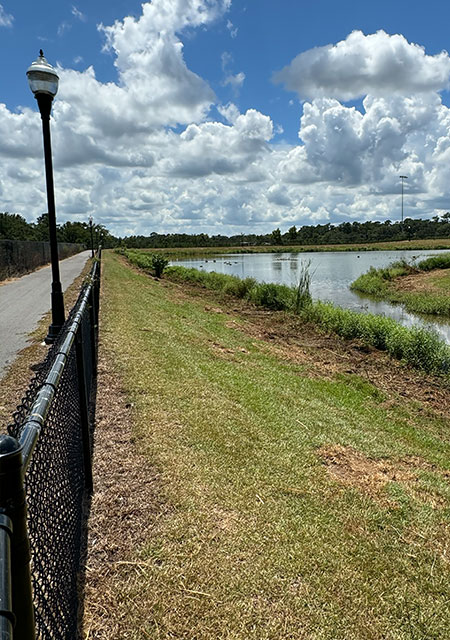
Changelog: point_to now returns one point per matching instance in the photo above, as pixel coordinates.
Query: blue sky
(189, 118)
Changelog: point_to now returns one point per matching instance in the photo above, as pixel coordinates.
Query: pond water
(331, 275)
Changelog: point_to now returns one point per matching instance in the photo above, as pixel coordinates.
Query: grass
(386, 284)
(419, 347)
(257, 537)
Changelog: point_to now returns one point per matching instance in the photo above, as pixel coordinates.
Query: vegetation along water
(422, 287)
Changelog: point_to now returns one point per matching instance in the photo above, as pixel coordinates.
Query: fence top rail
(31, 428)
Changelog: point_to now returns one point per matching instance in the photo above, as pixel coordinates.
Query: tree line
(344, 233)
(15, 227)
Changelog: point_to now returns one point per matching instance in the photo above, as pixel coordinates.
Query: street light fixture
(43, 81)
(403, 178)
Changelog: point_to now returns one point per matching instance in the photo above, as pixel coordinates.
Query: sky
(228, 116)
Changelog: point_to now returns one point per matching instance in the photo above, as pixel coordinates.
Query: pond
(331, 275)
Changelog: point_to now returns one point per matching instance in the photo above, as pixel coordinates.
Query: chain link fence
(21, 256)
(50, 439)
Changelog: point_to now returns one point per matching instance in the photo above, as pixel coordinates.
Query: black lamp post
(402, 178)
(43, 81)
(92, 236)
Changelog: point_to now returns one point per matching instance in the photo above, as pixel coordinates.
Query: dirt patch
(127, 486)
(353, 469)
(225, 352)
(421, 282)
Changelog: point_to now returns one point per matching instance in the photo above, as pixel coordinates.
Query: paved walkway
(24, 301)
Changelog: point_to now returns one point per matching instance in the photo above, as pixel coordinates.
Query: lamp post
(403, 178)
(92, 236)
(43, 81)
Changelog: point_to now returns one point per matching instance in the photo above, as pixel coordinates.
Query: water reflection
(331, 275)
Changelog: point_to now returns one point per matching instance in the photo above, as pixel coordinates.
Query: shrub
(277, 297)
(435, 262)
(158, 263)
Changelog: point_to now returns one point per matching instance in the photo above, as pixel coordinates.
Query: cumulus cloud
(159, 87)
(391, 136)
(376, 64)
(6, 19)
(215, 148)
(230, 112)
(154, 89)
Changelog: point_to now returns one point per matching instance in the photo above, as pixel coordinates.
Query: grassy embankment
(401, 245)
(423, 287)
(416, 346)
(293, 503)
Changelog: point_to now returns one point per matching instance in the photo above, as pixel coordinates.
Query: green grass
(379, 283)
(256, 539)
(419, 347)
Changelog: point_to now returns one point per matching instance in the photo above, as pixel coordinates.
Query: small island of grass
(422, 287)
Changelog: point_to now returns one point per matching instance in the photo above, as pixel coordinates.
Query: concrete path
(24, 301)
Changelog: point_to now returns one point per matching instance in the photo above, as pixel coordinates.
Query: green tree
(292, 234)
(276, 237)
(15, 227)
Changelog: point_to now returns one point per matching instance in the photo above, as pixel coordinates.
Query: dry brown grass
(126, 505)
(353, 469)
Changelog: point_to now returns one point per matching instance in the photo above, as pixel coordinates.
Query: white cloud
(78, 14)
(6, 19)
(232, 29)
(235, 81)
(342, 146)
(377, 64)
(63, 27)
(159, 88)
(215, 148)
(230, 112)
(277, 194)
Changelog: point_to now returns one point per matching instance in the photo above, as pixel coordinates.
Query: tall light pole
(43, 81)
(403, 178)
(92, 236)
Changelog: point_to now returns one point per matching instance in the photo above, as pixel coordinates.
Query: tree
(41, 230)
(15, 227)
(276, 237)
(292, 234)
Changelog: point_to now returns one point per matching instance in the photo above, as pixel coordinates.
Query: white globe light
(42, 77)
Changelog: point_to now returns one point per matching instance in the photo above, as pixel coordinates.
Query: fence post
(84, 411)
(12, 502)
(7, 619)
